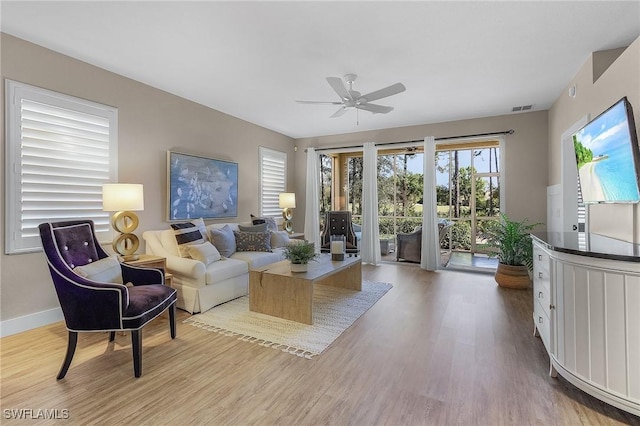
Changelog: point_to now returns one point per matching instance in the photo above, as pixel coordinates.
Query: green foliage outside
(583, 154)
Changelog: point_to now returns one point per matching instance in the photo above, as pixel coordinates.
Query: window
(60, 150)
(273, 180)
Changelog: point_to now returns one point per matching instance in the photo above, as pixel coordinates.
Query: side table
(151, 261)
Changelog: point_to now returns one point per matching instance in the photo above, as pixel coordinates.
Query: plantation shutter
(61, 150)
(273, 180)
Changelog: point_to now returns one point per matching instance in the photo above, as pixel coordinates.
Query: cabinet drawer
(540, 262)
(543, 324)
(542, 293)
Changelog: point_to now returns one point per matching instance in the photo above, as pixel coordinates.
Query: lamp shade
(287, 200)
(122, 196)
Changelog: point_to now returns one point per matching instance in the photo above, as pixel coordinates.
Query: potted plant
(514, 248)
(300, 255)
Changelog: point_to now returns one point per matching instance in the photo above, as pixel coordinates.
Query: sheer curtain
(370, 250)
(312, 208)
(430, 258)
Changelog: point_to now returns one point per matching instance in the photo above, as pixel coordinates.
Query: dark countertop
(591, 245)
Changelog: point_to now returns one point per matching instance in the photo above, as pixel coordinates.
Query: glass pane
(481, 244)
(485, 160)
(461, 235)
(354, 185)
(487, 196)
(326, 169)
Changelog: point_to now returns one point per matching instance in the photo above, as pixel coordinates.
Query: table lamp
(287, 202)
(124, 198)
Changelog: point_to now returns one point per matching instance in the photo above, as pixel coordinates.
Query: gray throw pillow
(253, 241)
(224, 240)
(271, 222)
(253, 228)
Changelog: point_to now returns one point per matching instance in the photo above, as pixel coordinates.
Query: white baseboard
(28, 322)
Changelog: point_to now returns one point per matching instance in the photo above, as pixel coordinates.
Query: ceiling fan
(350, 98)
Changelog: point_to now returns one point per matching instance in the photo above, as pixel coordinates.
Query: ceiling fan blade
(376, 109)
(339, 112)
(337, 85)
(319, 102)
(394, 89)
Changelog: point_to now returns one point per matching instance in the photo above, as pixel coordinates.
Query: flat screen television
(608, 156)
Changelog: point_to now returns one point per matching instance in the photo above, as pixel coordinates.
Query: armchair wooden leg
(136, 343)
(112, 336)
(71, 349)
(172, 320)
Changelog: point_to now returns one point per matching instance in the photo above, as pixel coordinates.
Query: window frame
(15, 93)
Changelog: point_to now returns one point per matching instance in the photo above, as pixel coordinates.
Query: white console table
(587, 313)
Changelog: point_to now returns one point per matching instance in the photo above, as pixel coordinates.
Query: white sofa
(200, 288)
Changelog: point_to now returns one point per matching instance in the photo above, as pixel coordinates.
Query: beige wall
(622, 78)
(525, 155)
(150, 123)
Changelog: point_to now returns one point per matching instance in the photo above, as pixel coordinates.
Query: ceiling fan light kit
(350, 98)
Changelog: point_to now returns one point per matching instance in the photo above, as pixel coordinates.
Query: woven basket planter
(513, 276)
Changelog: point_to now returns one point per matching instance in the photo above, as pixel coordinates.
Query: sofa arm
(193, 269)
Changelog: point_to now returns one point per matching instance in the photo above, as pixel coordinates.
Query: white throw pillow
(279, 239)
(205, 252)
(105, 270)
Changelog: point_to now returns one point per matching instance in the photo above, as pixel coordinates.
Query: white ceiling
(253, 59)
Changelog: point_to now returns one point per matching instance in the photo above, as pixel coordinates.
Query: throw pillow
(254, 228)
(270, 221)
(279, 239)
(224, 240)
(105, 270)
(186, 233)
(253, 241)
(205, 252)
(202, 227)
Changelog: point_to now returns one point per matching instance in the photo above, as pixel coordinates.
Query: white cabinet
(587, 313)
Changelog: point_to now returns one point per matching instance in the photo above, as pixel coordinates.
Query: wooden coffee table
(275, 290)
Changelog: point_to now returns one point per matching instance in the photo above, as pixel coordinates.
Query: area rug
(334, 310)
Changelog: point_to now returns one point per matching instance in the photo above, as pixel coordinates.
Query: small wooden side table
(151, 261)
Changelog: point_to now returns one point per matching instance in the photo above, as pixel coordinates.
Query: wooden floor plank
(439, 348)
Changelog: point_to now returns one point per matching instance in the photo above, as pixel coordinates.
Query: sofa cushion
(262, 227)
(169, 243)
(205, 252)
(271, 222)
(253, 241)
(224, 240)
(105, 270)
(225, 269)
(257, 259)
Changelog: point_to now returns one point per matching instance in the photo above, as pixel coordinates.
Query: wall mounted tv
(608, 156)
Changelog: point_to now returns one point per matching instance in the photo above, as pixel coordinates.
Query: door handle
(575, 227)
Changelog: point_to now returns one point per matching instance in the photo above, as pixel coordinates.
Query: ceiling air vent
(522, 108)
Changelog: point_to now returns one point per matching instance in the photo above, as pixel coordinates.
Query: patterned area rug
(334, 310)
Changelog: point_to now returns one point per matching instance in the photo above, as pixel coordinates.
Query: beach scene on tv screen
(604, 155)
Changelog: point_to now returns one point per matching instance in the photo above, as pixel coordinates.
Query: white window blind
(60, 150)
(273, 180)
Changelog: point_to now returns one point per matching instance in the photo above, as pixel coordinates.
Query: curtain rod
(444, 138)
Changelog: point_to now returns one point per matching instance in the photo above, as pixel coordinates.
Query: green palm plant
(512, 241)
(300, 253)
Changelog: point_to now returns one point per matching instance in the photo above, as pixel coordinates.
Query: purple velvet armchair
(91, 305)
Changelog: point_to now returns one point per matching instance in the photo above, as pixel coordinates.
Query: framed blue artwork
(201, 187)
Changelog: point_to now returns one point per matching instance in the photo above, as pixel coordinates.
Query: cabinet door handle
(539, 295)
(552, 306)
(540, 320)
(539, 274)
(539, 257)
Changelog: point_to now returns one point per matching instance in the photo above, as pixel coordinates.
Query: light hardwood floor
(438, 349)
